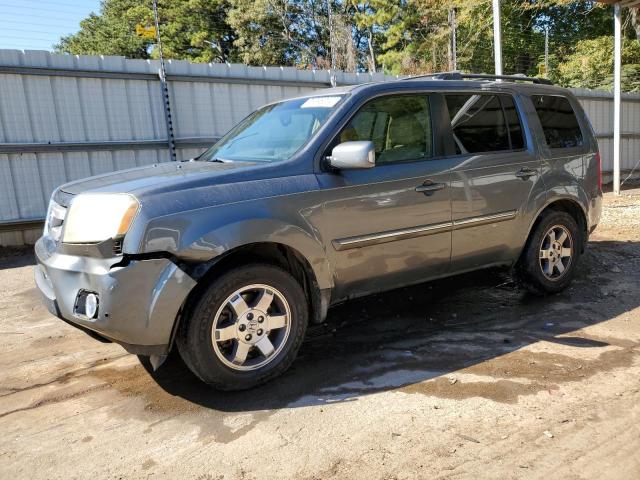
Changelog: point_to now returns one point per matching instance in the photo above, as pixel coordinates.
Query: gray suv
(312, 201)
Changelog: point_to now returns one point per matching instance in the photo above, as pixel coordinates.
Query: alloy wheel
(556, 251)
(251, 327)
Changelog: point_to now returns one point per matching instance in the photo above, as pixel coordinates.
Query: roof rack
(481, 76)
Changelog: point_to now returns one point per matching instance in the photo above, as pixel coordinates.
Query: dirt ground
(468, 377)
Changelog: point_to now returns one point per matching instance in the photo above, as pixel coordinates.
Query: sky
(39, 24)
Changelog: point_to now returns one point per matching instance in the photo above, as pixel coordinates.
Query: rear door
(389, 225)
(494, 179)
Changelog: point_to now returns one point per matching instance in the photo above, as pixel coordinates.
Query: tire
(236, 304)
(538, 268)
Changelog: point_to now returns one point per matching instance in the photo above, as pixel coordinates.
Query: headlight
(54, 220)
(95, 217)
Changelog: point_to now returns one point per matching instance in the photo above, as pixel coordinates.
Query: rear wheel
(549, 261)
(245, 328)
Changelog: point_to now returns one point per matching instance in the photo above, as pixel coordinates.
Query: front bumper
(138, 301)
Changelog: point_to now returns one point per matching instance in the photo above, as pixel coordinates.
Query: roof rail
(481, 76)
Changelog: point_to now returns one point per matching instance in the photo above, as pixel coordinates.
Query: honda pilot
(312, 201)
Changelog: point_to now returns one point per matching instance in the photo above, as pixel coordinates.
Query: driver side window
(398, 126)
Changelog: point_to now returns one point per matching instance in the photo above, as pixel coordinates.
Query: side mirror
(347, 155)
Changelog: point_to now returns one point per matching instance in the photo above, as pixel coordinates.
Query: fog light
(91, 305)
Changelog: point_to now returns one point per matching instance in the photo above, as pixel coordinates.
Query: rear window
(559, 122)
(484, 123)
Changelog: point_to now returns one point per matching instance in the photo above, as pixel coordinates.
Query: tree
(280, 32)
(403, 36)
(111, 32)
(591, 65)
(414, 34)
(195, 30)
(296, 32)
(402, 39)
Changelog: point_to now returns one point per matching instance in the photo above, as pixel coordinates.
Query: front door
(389, 225)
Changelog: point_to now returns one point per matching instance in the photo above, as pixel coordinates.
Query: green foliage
(591, 65)
(195, 30)
(280, 32)
(402, 36)
(112, 32)
(417, 32)
(396, 23)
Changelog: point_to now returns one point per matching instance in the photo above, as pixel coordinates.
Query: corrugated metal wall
(599, 107)
(65, 117)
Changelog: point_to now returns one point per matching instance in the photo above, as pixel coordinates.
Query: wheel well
(573, 209)
(568, 206)
(276, 254)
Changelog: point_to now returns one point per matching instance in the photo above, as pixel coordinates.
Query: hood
(172, 187)
(168, 176)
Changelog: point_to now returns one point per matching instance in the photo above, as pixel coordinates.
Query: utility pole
(617, 95)
(331, 49)
(163, 86)
(497, 38)
(546, 52)
(453, 63)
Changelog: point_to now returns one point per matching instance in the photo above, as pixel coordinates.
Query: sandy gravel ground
(462, 378)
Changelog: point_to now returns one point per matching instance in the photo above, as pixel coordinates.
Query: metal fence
(599, 107)
(65, 117)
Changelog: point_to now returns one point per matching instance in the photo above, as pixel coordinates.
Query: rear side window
(484, 123)
(559, 123)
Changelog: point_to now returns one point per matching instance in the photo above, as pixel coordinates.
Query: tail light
(599, 167)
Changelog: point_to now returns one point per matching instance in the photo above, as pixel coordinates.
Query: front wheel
(245, 328)
(551, 255)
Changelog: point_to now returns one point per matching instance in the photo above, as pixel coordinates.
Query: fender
(208, 233)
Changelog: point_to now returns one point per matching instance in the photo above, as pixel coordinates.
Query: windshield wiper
(217, 160)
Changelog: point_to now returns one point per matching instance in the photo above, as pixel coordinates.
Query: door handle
(526, 173)
(430, 188)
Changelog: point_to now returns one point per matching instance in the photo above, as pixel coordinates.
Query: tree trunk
(635, 20)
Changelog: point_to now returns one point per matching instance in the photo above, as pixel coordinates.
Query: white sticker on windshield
(320, 102)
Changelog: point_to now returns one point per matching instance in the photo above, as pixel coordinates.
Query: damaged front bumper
(138, 301)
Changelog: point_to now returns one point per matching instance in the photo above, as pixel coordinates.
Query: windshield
(275, 132)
